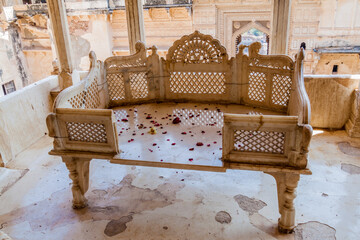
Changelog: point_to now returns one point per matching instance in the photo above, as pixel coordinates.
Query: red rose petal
(164, 132)
(214, 142)
(191, 149)
(154, 144)
(173, 144)
(167, 139)
(124, 120)
(142, 134)
(208, 145)
(176, 120)
(190, 159)
(199, 144)
(202, 131)
(183, 133)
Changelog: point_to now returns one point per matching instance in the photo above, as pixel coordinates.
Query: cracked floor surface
(150, 203)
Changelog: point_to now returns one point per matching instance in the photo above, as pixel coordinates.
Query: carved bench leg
(79, 174)
(286, 189)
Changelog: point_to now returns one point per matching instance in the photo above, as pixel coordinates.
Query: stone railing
(330, 98)
(22, 117)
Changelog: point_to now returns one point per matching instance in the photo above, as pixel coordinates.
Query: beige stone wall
(318, 23)
(347, 63)
(330, 99)
(324, 23)
(39, 64)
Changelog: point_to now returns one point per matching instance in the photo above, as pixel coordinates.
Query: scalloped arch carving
(197, 48)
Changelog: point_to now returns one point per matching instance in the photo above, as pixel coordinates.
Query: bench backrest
(196, 68)
(266, 80)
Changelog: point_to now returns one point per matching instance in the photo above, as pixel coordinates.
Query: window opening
(335, 69)
(253, 35)
(9, 87)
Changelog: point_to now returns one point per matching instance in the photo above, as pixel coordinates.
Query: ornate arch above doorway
(241, 30)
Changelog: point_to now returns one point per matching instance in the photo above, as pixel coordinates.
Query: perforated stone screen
(86, 132)
(92, 96)
(139, 85)
(197, 82)
(281, 90)
(257, 86)
(259, 141)
(116, 86)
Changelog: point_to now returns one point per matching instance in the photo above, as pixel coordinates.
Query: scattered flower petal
(176, 120)
(199, 144)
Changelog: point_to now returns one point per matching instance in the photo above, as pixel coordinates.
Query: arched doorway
(250, 36)
(249, 33)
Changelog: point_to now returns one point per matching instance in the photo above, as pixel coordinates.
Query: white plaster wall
(23, 117)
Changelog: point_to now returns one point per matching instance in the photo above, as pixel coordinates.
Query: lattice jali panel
(92, 96)
(257, 86)
(198, 82)
(86, 132)
(139, 85)
(259, 141)
(78, 100)
(190, 117)
(281, 87)
(116, 86)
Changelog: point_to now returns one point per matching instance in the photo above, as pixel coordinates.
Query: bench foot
(286, 189)
(79, 174)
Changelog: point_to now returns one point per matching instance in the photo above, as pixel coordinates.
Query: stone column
(280, 26)
(60, 30)
(135, 23)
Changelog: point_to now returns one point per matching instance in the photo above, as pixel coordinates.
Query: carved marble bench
(271, 135)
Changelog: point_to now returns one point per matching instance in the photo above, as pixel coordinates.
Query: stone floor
(150, 203)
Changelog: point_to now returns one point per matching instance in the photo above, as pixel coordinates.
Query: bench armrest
(87, 130)
(267, 140)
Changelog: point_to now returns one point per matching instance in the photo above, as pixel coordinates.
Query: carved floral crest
(197, 48)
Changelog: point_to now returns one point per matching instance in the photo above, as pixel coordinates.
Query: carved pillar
(59, 24)
(286, 183)
(135, 23)
(79, 174)
(280, 26)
